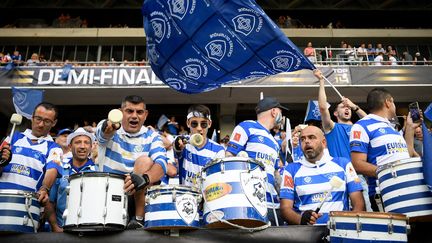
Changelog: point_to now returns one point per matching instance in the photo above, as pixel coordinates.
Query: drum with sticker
(96, 202)
(19, 211)
(172, 207)
(404, 189)
(234, 190)
(367, 227)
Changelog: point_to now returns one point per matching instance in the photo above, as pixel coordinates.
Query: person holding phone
(375, 142)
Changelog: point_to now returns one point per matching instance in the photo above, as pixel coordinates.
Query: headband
(197, 114)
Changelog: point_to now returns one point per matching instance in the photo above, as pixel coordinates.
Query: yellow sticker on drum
(216, 190)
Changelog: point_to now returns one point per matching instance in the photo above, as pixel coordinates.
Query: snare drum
(367, 227)
(403, 188)
(172, 207)
(96, 202)
(19, 211)
(234, 189)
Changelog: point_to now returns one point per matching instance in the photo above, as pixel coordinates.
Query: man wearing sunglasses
(255, 139)
(192, 159)
(36, 158)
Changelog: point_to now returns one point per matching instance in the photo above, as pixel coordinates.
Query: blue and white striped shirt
(118, 154)
(30, 161)
(193, 159)
(306, 184)
(258, 142)
(373, 135)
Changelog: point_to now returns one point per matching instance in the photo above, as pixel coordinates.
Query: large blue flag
(313, 111)
(427, 155)
(197, 45)
(428, 112)
(25, 100)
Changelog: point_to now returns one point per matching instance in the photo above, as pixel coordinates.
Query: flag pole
(337, 91)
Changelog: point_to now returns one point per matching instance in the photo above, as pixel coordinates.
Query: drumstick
(16, 119)
(335, 183)
(115, 116)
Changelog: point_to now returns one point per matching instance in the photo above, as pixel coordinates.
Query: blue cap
(64, 131)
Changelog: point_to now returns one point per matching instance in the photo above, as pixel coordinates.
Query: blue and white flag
(428, 112)
(313, 111)
(162, 120)
(25, 100)
(427, 156)
(214, 136)
(198, 45)
(66, 70)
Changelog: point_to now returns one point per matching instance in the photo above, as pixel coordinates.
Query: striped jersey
(338, 140)
(118, 154)
(258, 142)
(30, 161)
(192, 160)
(374, 135)
(306, 184)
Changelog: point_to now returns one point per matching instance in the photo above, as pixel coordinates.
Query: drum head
(97, 174)
(377, 215)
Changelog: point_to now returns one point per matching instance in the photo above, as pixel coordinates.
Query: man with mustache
(305, 184)
(135, 149)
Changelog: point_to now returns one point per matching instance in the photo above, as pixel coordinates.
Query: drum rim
(97, 174)
(375, 215)
(17, 192)
(232, 159)
(398, 162)
(164, 187)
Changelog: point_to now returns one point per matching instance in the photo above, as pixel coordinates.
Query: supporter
(379, 49)
(419, 59)
(371, 53)
(61, 140)
(173, 126)
(362, 53)
(254, 137)
(391, 51)
(407, 59)
(17, 58)
(418, 141)
(192, 159)
(379, 59)
(375, 142)
(132, 148)
(80, 144)
(34, 151)
(34, 60)
(306, 184)
(310, 53)
(392, 60)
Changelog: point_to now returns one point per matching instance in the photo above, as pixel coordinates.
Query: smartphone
(415, 111)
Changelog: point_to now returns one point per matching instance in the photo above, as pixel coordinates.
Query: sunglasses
(195, 124)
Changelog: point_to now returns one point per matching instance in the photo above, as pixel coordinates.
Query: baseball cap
(64, 131)
(80, 132)
(268, 103)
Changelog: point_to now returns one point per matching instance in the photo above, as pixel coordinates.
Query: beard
(313, 154)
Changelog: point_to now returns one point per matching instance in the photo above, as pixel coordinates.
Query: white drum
(234, 190)
(19, 211)
(404, 189)
(96, 202)
(367, 227)
(172, 207)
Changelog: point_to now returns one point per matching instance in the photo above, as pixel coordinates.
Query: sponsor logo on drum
(214, 216)
(20, 169)
(217, 190)
(160, 25)
(179, 8)
(217, 48)
(319, 197)
(285, 61)
(186, 206)
(254, 188)
(247, 21)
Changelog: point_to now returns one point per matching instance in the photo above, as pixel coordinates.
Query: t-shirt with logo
(338, 140)
(374, 136)
(30, 161)
(259, 143)
(306, 185)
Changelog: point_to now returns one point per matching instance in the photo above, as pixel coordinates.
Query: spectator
(407, 59)
(379, 49)
(17, 58)
(310, 53)
(418, 141)
(379, 59)
(419, 59)
(34, 60)
(371, 53)
(362, 53)
(392, 60)
(173, 126)
(391, 51)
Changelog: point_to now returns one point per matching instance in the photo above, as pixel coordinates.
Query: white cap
(80, 132)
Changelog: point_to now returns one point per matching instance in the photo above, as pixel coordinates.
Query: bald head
(313, 143)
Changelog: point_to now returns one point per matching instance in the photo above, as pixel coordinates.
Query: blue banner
(427, 155)
(428, 112)
(25, 100)
(197, 45)
(313, 111)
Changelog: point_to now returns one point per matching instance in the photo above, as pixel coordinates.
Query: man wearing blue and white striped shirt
(132, 148)
(307, 184)
(192, 159)
(255, 139)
